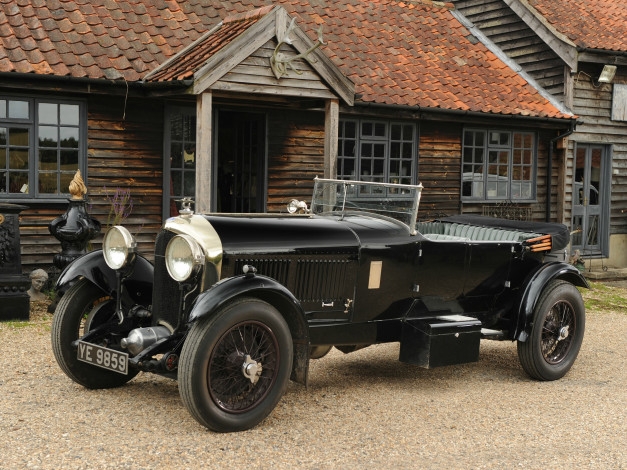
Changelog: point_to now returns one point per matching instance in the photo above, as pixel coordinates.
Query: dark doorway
(241, 162)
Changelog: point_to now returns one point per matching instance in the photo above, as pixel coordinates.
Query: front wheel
(557, 332)
(83, 307)
(235, 365)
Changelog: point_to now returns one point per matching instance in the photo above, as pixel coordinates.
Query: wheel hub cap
(563, 333)
(251, 369)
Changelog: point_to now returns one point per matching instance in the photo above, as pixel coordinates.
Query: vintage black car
(236, 305)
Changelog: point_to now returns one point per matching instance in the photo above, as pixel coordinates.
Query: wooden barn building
(576, 50)
(238, 106)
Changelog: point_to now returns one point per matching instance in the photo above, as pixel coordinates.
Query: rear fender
(533, 287)
(92, 266)
(268, 290)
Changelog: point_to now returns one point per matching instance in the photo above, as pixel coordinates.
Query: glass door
(590, 196)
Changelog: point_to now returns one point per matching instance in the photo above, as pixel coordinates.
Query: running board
(440, 341)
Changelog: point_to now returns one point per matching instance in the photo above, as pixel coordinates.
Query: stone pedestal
(14, 299)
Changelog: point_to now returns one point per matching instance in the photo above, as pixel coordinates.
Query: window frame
(387, 141)
(511, 149)
(31, 123)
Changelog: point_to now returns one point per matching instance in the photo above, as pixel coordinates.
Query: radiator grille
(166, 294)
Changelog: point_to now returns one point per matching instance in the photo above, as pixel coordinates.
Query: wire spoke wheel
(558, 332)
(231, 385)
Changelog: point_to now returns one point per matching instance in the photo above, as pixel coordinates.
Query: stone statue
(38, 279)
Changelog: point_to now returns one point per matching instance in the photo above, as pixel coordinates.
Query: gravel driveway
(363, 410)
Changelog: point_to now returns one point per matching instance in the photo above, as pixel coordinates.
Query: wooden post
(331, 126)
(204, 182)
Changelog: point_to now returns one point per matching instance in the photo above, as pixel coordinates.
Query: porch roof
(413, 53)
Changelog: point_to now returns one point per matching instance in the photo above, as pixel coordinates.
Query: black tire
(83, 306)
(212, 382)
(556, 334)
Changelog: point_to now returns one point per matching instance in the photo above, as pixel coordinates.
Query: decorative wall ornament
(280, 62)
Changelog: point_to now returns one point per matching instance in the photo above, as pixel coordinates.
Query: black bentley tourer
(236, 305)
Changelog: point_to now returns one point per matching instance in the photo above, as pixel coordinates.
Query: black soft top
(560, 235)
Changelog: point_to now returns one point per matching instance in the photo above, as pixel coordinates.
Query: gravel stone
(361, 410)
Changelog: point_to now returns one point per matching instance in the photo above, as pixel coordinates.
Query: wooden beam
(331, 126)
(204, 182)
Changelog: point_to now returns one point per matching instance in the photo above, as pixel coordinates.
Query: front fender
(532, 289)
(268, 290)
(92, 266)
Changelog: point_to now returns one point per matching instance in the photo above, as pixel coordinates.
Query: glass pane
(48, 113)
(349, 129)
(395, 131)
(18, 109)
(595, 176)
(176, 127)
(3, 181)
(176, 184)
(189, 128)
(70, 114)
(48, 183)
(349, 148)
(48, 136)
(379, 129)
(406, 170)
(407, 150)
(3, 135)
(395, 150)
(66, 179)
(69, 160)
(467, 155)
(18, 182)
(69, 137)
(18, 159)
(394, 169)
(189, 183)
(580, 162)
(468, 138)
(18, 136)
(189, 157)
(479, 139)
(366, 128)
(379, 151)
(593, 230)
(408, 132)
(349, 168)
(3, 115)
(176, 155)
(478, 155)
(3, 158)
(48, 160)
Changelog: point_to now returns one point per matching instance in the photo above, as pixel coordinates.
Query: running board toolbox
(440, 341)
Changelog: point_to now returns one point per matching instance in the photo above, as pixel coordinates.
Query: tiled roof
(111, 39)
(412, 53)
(590, 24)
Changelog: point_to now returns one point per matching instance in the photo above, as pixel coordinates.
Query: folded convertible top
(560, 235)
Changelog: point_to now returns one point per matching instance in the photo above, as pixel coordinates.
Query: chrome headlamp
(119, 247)
(183, 258)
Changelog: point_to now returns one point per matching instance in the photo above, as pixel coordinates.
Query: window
(41, 146)
(180, 157)
(498, 165)
(378, 151)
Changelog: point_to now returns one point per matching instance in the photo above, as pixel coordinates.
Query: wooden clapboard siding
(124, 150)
(254, 75)
(509, 32)
(295, 156)
(592, 103)
(439, 168)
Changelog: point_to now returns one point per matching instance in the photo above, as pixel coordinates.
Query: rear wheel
(83, 307)
(557, 332)
(235, 365)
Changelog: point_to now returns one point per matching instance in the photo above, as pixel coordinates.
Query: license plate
(106, 358)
